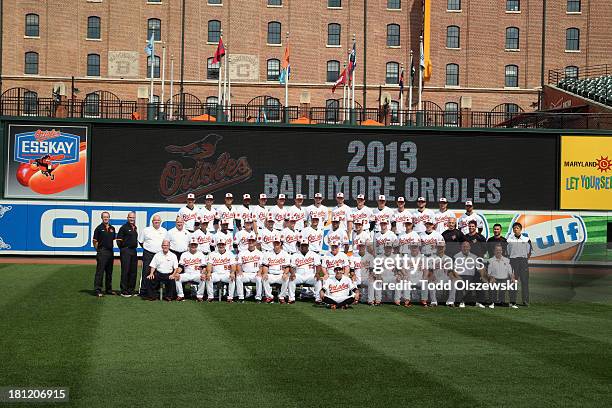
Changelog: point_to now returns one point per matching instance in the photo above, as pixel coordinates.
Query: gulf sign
(554, 237)
(58, 147)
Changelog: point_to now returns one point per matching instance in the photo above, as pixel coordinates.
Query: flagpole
(219, 76)
(344, 97)
(410, 88)
(163, 79)
(229, 90)
(152, 66)
(421, 73)
(401, 108)
(353, 80)
(171, 85)
(225, 78)
(287, 79)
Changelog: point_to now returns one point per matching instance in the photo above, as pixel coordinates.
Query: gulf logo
(553, 237)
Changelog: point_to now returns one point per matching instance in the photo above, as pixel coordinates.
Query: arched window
(452, 37)
(93, 65)
(30, 103)
(32, 27)
(211, 105)
(571, 71)
(273, 69)
(511, 79)
(156, 70)
(214, 31)
(451, 114)
(274, 32)
(272, 107)
(154, 29)
(512, 38)
(572, 39)
(333, 34)
(94, 28)
(212, 70)
(31, 63)
(333, 71)
(92, 105)
(392, 73)
(452, 74)
(332, 111)
(394, 109)
(393, 35)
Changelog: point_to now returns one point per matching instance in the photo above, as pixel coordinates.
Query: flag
(425, 52)
(285, 67)
(401, 82)
(342, 79)
(412, 71)
(150, 45)
(422, 58)
(220, 52)
(352, 62)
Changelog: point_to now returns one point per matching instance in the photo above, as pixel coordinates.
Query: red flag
(220, 52)
(340, 81)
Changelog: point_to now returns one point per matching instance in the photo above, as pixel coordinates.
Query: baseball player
(298, 212)
(442, 271)
(314, 235)
(382, 213)
(248, 269)
(384, 237)
(205, 239)
(275, 270)
(415, 273)
(207, 213)
(400, 215)
(279, 213)
(430, 238)
(335, 258)
(408, 238)
(290, 236)
(191, 264)
(342, 212)
(362, 212)
(361, 263)
(259, 212)
(265, 237)
(421, 214)
(389, 274)
(337, 233)
(221, 267)
(443, 216)
(305, 266)
(189, 213)
(469, 268)
(318, 210)
(225, 236)
(243, 211)
(241, 239)
(469, 215)
(179, 238)
(362, 235)
(339, 291)
(227, 213)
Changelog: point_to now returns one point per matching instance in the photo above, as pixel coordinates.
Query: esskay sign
(493, 170)
(586, 172)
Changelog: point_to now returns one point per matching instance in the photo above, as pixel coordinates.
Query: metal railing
(592, 71)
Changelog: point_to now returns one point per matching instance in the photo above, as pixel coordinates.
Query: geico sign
(73, 228)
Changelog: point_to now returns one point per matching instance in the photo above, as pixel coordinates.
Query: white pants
(218, 277)
(451, 292)
(273, 280)
(190, 277)
(301, 279)
(247, 277)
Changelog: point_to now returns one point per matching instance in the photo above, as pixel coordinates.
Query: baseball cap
(334, 242)
(281, 196)
(400, 199)
(277, 238)
(219, 242)
(252, 237)
(382, 198)
(263, 197)
(247, 218)
(314, 217)
(408, 221)
(384, 221)
(358, 221)
(388, 243)
(318, 195)
(428, 221)
(468, 202)
(299, 196)
(246, 196)
(421, 199)
(191, 196)
(224, 222)
(209, 197)
(270, 217)
(360, 197)
(193, 240)
(340, 195)
(338, 268)
(229, 195)
(359, 242)
(443, 200)
(335, 218)
(304, 241)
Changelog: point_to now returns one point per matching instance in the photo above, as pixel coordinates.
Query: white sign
(244, 67)
(123, 64)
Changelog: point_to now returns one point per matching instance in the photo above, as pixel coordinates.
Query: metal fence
(557, 75)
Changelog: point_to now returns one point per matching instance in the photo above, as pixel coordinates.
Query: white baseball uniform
(343, 212)
(339, 290)
(241, 239)
(192, 271)
(189, 215)
(339, 236)
(330, 261)
(361, 266)
(241, 213)
(429, 241)
(463, 222)
(259, 214)
(382, 214)
(276, 263)
(321, 212)
(221, 267)
(400, 219)
(406, 240)
(205, 240)
(265, 237)
(305, 267)
(279, 215)
(204, 214)
(249, 263)
(364, 214)
(384, 239)
(314, 237)
(300, 215)
(419, 218)
(415, 273)
(290, 238)
(443, 266)
(442, 219)
(226, 237)
(226, 214)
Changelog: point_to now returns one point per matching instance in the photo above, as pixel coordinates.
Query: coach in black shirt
(496, 240)
(127, 241)
(453, 238)
(103, 238)
(476, 240)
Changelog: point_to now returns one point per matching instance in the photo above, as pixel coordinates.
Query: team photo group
(285, 252)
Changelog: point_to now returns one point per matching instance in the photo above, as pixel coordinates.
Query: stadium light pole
(181, 90)
(365, 48)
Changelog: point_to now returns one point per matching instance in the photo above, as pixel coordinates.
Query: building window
(571, 71)
(30, 103)
(275, 2)
(393, 35)
(392, 73)
(211, 105)
(154, 29)
(454, 5)
(32, 28)
(511, 76)
(511, 108)
(394, 4)
(572, 39)
(94, 30)
(272, 108)
(452, 74)
(333, 34)
(573, 6)
(92, 105)
(155, 67)
(212, 70)
(394, 108)
(452, 37)
(332, 110)
(512, 38)
(273, 69)
(154, 1)
(513, 5)
(334, 3)
(215, 2)
(31, 63)
(333, 71)
(451, 114)
(93, 65)
(214, 31)
(274, 32)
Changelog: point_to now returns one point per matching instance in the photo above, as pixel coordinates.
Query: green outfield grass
(126, 352)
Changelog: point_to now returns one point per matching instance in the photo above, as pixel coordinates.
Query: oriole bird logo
(199, 150)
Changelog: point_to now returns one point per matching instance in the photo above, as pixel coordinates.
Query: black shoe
(111, 292)
(99, 294)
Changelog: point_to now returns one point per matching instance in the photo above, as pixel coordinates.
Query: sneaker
(433, 304)
(282, 301)
(345, 307)
(180, 299)
(480, 305)
(291, 302)
(258, 300)
(199, 300)
(100, 294)
(513, 306)
(424, 303)
(450, 304)
(462, 305)
(230, 300)
(333, 307)
(210, 300)
(397, 303)
(492, 306)
(407, 303)
(126, 295)
(269, 300)
(370, 303)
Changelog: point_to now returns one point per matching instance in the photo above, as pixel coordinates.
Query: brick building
(485, 53)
